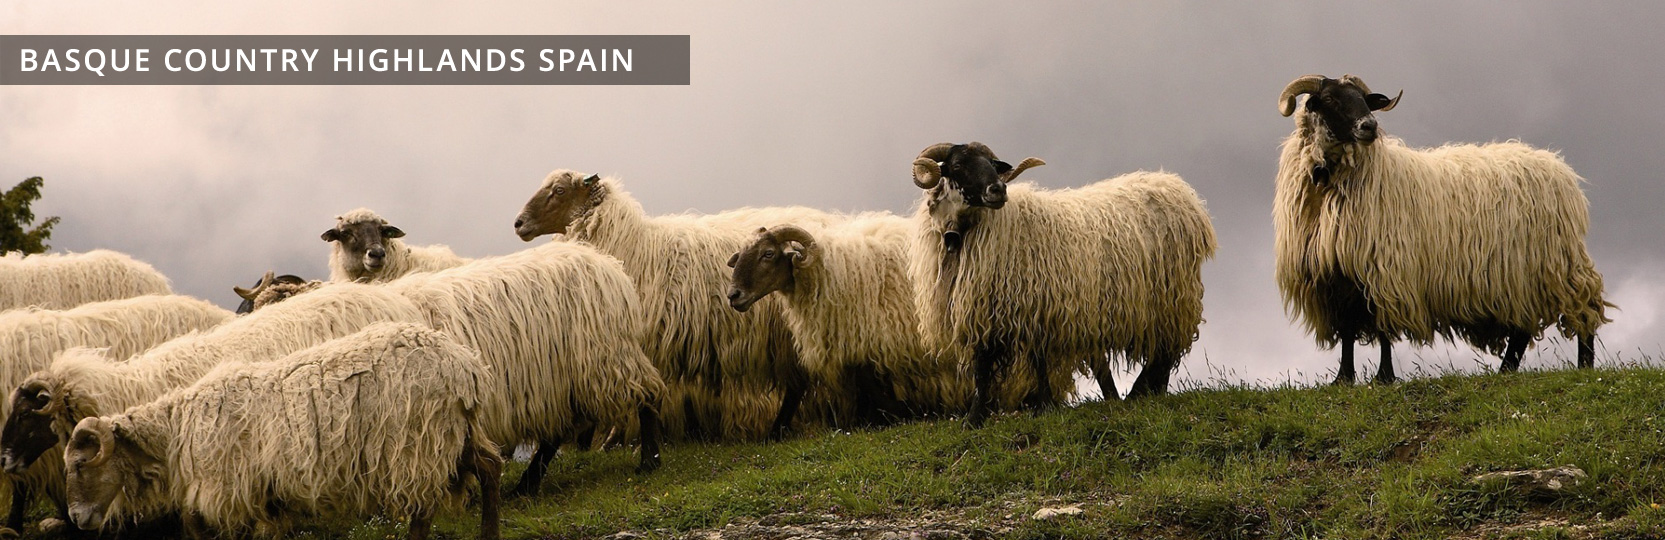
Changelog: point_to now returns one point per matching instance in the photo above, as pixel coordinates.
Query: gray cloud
(825, 105)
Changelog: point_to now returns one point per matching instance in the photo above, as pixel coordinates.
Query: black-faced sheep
(1377, 241)
(63, 281)
(30, 338)
(849, 303)
(723, 363)
(369, 249)
(385, 421)
(560, 324)
(1055, 278)
(288, 285)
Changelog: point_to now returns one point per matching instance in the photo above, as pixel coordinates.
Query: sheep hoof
(53, 526)
(648, 464)
(975, 420)
(1342, 380)
(524, 489)
(1385, 380)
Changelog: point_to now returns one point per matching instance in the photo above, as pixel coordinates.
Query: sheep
(386, 420)
(849, 303)
(287, 285)
(693, 337)
(30, 337)
(83, 383)
(561, 326)
(367, 248)
(1057, 278)
(63, 281)
(1378, 241)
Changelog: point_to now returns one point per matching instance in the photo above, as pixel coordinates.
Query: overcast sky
(826, 104)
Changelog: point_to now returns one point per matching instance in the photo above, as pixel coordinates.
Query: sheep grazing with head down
(274, 289)
(1377, 241)
(1062, 280)
(693, 337)
(83, 382)
(561, 326)
(385, 421)
(30, 338)
(63, 281)
(849, 304)
(367, 248)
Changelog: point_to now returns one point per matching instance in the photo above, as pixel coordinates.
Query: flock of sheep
(393, 387)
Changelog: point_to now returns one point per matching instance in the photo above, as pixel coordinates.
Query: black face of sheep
(562, 197)
(767, 264)
(28, 431)
(104, 469)
(971, 170)
(364, 239)
(265, 282)
(1344, 105)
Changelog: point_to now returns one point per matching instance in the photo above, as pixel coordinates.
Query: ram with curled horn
(1378, 241)
(1043, 284)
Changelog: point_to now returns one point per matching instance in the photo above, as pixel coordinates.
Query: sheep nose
(519, 223)
(377, 253)
(733, 294)
(1368, 125)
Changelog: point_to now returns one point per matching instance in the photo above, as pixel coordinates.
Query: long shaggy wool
(374, 422)
(85, 383)
(854, 306)
(1460, 239)
(693, 336)
(560, 325)
(1070, 275)
(401, 259)
(63, 281)
(30, 338)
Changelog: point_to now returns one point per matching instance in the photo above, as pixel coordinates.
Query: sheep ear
(591, 180)
(1001, 167)
(733, 260)
(331, 235)
(1379, 102)
(389, 231)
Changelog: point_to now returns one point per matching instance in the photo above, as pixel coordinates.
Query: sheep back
(62, 281)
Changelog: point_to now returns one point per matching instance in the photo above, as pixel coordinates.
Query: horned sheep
(31, 337)
(1056, 278)
(274, 288)
(386, 420)
(561, 326)
(367, 248)
(694, 338)
(63, 281)
(849, 303)
(83, 383)
(1377, 241)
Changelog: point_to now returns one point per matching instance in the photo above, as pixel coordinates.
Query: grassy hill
(1361, 462)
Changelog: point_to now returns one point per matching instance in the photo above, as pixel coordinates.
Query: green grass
(1361, 462)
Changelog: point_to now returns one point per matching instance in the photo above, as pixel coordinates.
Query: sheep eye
(560, 191)
(768, 254)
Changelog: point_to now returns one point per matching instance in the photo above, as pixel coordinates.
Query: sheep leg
(21, 495)
(195, 527)
(1039, 399)
(1345, 375)
(533, 477)
(1384, 372)
(488, 468)
(788, 409)
(1587, 351)
(649, 420)
(1513, 353)
(586, 439)
(420, 522)
(692, 429)
(982, 400)
(1106, 383)
(1153, 379)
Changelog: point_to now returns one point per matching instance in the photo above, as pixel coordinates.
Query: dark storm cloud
(825, 105)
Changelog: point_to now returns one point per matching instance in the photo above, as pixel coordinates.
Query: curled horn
(1028, 163)
(792, 233)
(926, 171)
(106, 443)
(249, 294)
(1305, 85)
(41, 392)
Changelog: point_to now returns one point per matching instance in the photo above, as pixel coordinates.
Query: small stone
(1539, 482)
(1055, 511)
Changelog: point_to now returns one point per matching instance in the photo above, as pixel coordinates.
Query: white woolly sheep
(1379, 241)
(384, 421)
(83, 383)
(693, 337)
(63, 281)
(1056, 278)
(366, 248)
(30, 338)
(849, 303)
(560, 325)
